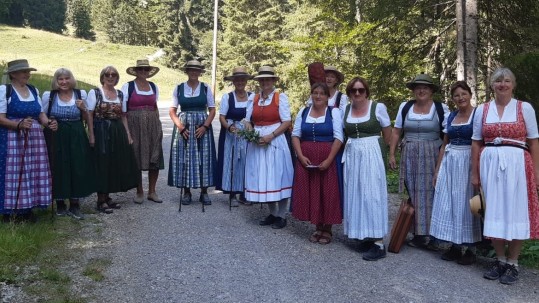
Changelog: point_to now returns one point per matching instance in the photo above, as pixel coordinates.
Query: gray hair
(502, 73)
(66, 73)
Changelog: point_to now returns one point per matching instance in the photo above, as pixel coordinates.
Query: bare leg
(499, 247)
(140, 189)
(514, 249)
(153, 174)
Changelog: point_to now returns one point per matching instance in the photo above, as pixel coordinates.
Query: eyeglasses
(354, 91)
(145, 69)
(111, 75)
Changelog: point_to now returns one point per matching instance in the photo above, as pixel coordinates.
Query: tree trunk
(466, 12)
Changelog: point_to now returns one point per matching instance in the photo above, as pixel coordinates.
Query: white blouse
(333, 100)
(71, 102)
(91, 100)
(188, 92)
(4, 102)
(414, 116)
(223, 107)
(125, 91)
(336, 117)
(284, 107)
(381, 115)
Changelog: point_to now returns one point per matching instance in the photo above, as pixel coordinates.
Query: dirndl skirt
(147, 134)
(192, 161)
(234, 152)
(117, 169)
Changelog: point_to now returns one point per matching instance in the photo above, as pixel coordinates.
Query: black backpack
(439, 111)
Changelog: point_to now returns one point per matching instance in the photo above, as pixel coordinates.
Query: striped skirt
(147, 134)
(418, 162)
(192, 161)
(365, 189)
(452, 219)
(26, 178)
(234, 163)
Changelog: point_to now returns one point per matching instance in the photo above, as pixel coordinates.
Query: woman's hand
(265, 140)
(476, 183)
(91, 140)
(248, 126)
(304, 160)
(392, 162)
(53, 125)
(80, 105)
(434, 179)
(26, 123)
(324, 165)
(200, 131)
(232, 128)
(129, 139)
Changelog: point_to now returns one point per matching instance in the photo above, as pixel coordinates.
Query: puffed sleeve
(336, 115)
(249, 111)
(531, 121)
(46, 96)
(344, 102)
(223, 107)
(284, 108)
(444, 124)
(210, 100)
(382, 116)
(446, 114)
(125, 91)
(478, 123)
(296, 131)
(91, 100)
(3, 99)
(175, 102)
(398, 119)
(83, 94)
(39, 99)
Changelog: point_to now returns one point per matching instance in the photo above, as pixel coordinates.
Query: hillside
(47, 51)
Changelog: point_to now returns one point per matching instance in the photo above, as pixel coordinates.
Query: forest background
(385, 41)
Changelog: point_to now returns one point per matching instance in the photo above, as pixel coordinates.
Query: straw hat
(237, 72)
(193, 64)
(18, 65)
(333, 69)
(477, 204)
(423, 79)
(132, 70)
(266, 71)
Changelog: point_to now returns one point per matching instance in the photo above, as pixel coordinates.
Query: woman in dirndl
(192, 154)
(334, 78)
(117, 169)
(505, 163)
(368, 129)
(268, 169)
(317, 137)
(422, 122)
(452, 219)
(25, 180)
(70, 156)
(141, 96)
(231, 150)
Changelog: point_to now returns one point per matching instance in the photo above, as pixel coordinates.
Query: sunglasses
(111, 75)
(354, 91)
(145, 69)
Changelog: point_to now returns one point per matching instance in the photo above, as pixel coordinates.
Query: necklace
(110, 95)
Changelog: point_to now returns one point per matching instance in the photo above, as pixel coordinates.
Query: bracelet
(273, 133)
(19, 125)
(183, 130)
(228, 128)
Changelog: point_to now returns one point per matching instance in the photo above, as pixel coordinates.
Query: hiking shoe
(234, 202)
(139, 198)
(495, 271)
(268, 220)
(61, 209)
(418, 242)
(454, 253)
(365, 246)
(375, 253)
(74, 211)
(279, 223)
(510, 276)
(468, 258)
(186, 199)
(155, 198)
(204, 198)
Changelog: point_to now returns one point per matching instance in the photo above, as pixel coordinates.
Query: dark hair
(460, 84)
(321, 85)
(350, 86)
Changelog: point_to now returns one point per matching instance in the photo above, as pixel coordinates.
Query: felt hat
(18, 65)
(266, 71)
(477, 204)
(333, 69)
(422, 79)
(193, 64)
(239, 72)
(132, 70)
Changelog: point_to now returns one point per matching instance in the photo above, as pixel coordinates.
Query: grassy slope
(47, 52)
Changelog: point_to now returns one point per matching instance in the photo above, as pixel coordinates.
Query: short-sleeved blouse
(284, 107)
(188, 92)
(125, 91)
(91, 100)
(71, 102)
(333, 100)
(414, 116)
(336, 116)
(381, 115)
(4, 102)
(223, 107)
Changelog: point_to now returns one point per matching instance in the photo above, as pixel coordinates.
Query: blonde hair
(109, 68)
(66, 73)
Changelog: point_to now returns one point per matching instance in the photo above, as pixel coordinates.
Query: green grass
(47, 52)
(95, 268)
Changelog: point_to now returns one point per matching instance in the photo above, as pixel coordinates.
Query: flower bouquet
(249, 135)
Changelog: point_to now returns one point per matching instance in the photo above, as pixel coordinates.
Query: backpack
(439, 111)
(53, 94)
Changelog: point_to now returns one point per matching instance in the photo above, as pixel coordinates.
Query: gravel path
(161, 255)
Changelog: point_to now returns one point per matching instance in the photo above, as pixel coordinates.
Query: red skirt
(315, 193)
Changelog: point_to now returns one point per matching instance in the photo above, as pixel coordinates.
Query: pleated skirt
(116, 167)
(192, 161)
(147, 134)
(452, 219)
(315, 193)
(365, 189)
(234, 157)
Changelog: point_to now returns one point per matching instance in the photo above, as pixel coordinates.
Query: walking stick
(23, 154)
(183, 171)
(199, 141)
(231, 174)
(52, 157)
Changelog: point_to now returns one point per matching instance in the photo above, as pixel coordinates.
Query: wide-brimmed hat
(333, 69)
(132, 70)
(193, 64)
(477, 204)
(266, 71)
(422, 79)
(18, 65)
(239, 72)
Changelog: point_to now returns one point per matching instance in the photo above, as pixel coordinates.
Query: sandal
(315, 237)
(104, 208)
(325, 237)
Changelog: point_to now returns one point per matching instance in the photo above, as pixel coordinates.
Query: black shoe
(419, 242)
(467, 259)
(204, 198)
(510, 276)
(495, 271)
(268, 220)
(375, 253)
(61, 209)
(365, 246)
(74, 211)
(454, 253)
(186, 199)
(279, 223)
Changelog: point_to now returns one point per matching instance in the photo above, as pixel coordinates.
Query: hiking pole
(231, 174)
(186, 127)
(199, 141)
(52, 156)
(23, 155)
